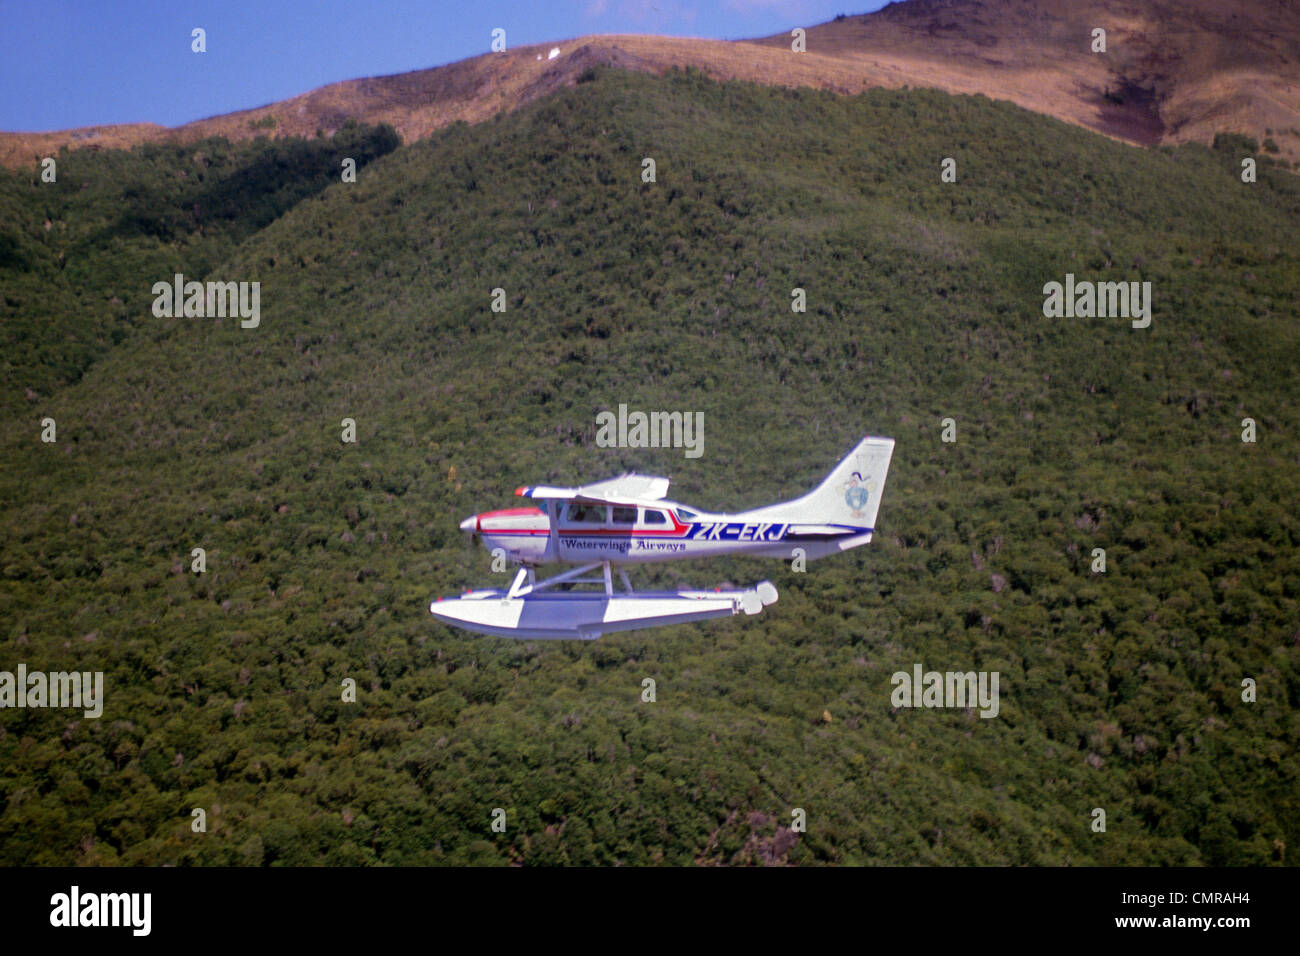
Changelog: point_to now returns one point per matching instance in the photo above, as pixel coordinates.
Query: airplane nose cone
(470, 524)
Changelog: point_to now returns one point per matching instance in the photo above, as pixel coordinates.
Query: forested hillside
(79, 255)
(1119, 690)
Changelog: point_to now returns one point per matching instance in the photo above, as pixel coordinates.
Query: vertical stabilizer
(849, 496)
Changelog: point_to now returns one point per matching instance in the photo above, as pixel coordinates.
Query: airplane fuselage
(568, 533)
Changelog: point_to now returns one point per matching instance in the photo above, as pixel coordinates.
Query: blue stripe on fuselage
(760, 531)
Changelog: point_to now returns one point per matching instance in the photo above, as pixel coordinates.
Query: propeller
(470, 527)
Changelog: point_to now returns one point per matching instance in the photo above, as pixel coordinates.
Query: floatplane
(628, 520)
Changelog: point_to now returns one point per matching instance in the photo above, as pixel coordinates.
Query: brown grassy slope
(1184, 69)
(1180, 70)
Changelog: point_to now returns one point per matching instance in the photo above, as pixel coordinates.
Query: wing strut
(526, 581)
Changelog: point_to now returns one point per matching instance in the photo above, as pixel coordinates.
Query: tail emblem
(857, 493)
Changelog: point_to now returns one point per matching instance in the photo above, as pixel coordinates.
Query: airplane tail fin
(850, 495)
(852, 492)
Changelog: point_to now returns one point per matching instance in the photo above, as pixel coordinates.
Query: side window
(624, 515)
(655, 517)
(586, 514)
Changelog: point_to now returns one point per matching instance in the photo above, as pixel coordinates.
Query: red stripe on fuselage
(506, 513)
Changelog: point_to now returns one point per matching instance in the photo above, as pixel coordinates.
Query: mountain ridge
(1172, 73)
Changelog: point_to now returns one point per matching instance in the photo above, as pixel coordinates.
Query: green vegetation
(79, 256)
(1119, 690)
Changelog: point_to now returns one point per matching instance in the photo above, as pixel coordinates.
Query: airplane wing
(640, 487)
(623, 490)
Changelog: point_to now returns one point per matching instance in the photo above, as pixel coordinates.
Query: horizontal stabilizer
(822, 530)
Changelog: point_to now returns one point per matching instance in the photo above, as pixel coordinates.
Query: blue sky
(86, 63)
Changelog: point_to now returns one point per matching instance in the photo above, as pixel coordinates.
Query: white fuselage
(576, 533)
